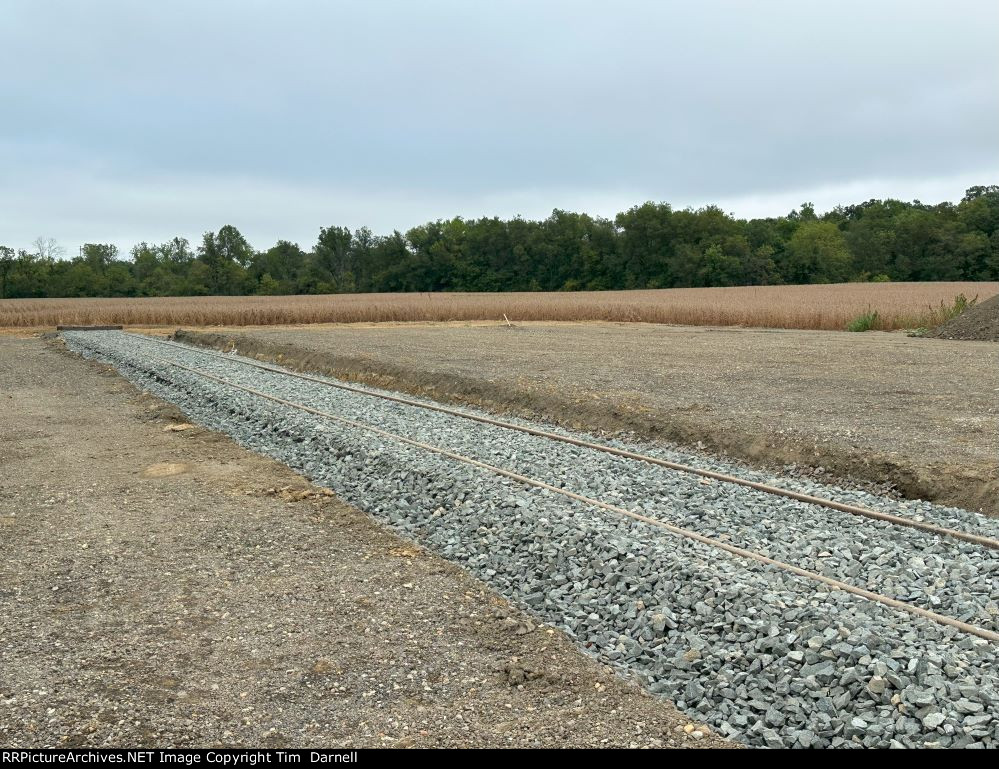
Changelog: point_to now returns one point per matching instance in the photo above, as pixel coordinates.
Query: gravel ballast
(763, 656)
(161, 585)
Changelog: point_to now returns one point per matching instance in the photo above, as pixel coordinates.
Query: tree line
(651, 245)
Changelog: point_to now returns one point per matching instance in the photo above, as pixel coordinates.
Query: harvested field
(919, 415)
(830, 307)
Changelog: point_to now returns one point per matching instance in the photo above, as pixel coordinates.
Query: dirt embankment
(980, 323)
(891, 412)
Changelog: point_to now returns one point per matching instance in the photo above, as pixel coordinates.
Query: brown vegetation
(898, 305)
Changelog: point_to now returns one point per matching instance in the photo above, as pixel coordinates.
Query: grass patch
(937, 316)
(918, 324)
(947, 312)
(866, 322)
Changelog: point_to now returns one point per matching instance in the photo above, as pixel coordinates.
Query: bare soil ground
(917, 415)
(161, 586)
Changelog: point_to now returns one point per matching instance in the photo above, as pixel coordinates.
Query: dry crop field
(830, 307)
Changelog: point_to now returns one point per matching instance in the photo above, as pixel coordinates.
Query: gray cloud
(128, 120)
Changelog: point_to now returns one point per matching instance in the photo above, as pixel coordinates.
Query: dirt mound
(981, 323)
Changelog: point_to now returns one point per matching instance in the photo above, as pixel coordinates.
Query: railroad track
(740, 552)
(831, 504)
(587, 555)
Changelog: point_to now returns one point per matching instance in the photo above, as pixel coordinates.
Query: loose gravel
(161, 585)
(763, 656)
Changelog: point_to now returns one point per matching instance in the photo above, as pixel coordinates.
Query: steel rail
(676, 530)
(832, 504)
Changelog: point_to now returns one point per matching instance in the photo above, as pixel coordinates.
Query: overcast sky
(128, 121)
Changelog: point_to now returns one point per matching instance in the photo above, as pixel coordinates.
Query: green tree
(31, 276)
(650, 245)
(979, 210)
(925, 241)
(267, 286)
(7, 255)
(760, 267)
(870, 232)
(99, 256)
(334, 256)
(817, 253)
(223, 256)
(145, 263)
(233, 247)
(77, 278)
(715, 267)
(283, 263)
(971, 256)
(120, 280)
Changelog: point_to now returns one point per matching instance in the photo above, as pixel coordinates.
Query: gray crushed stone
(763, 656)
